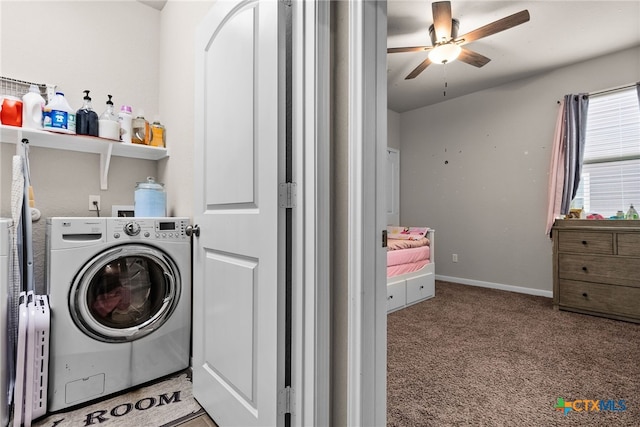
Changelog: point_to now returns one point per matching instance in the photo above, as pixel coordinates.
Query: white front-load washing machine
(120, 299)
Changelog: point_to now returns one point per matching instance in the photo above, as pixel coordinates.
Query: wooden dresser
(596, 267)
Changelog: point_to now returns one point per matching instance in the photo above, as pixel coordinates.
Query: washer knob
(132, 228)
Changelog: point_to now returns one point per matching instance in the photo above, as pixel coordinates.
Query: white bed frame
(410, 288)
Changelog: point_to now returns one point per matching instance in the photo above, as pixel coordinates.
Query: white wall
(103, 46)
(178, 22)
(475, 169)
(393, 129)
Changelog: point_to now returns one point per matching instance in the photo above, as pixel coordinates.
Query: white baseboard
(500, 286)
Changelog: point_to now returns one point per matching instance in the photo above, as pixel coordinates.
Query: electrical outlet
(454, 257)
(93, 199)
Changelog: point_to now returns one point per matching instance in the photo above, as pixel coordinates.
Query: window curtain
(567, 155)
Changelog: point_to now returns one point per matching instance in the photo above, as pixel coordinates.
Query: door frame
(367, 313)
(311, 219)
(367, 318)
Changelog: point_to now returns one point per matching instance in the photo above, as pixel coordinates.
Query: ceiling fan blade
(420, 68)
(473, 58)
(442, 20)
(408, 49)
(495, 27)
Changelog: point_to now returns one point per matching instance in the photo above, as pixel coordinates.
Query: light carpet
(163, 404)
(482, 357)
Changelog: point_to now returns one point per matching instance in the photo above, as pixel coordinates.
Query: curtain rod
(600, 92)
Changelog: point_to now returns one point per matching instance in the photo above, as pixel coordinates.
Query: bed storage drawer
(419, 288)
(396, 295)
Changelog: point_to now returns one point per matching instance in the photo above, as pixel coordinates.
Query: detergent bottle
(32, 105)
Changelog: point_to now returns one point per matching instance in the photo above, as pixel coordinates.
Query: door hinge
(384, 238)
(287, 195)
(286, 401)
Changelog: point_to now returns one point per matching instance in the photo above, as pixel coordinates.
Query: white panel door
(235, 298)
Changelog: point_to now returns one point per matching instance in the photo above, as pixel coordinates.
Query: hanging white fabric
(15, 284)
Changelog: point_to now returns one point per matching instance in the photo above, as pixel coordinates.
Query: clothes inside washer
(122, 297)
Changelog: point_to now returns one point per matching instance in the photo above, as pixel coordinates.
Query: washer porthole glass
(125, 294)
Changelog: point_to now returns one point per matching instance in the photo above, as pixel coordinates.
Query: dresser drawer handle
(584, 294)
(584, 242)
(422, 287)
(390, 297)
(584, 269)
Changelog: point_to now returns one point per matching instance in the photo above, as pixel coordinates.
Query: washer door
(125, 293)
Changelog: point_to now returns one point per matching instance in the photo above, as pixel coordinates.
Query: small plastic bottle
(158, 135)
(125, 118)
(86, 118)
(140, 129)
(108, 124)
(58, 116)
(632, 213)
(32, 106)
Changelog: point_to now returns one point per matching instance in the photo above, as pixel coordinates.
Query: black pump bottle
(86, 118)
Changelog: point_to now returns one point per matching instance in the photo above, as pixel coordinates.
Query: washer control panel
(166, 229)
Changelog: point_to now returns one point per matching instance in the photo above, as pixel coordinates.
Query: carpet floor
(484, 357)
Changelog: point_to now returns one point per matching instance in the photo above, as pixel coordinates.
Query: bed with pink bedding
(410, 266)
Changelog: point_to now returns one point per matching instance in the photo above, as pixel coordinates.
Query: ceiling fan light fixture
(444, 53)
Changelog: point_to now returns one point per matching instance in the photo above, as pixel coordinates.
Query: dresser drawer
(605, 269)
(585, 242)
(629, 244)
(607, 299)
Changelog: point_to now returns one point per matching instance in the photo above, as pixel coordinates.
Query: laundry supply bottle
(86, 118)
(632, 213)
(11, 110)
(32, 105)
(140, 129)
(108, 124)
(125, 118)
(58, 116)
(158, 136)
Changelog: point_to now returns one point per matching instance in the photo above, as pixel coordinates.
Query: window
(610, 179)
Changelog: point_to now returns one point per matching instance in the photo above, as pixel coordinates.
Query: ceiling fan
(446, 46)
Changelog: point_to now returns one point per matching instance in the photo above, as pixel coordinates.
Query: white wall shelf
(85, 144)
